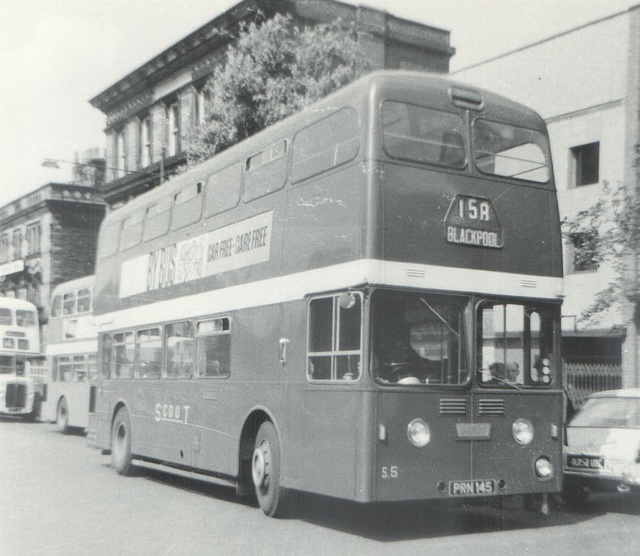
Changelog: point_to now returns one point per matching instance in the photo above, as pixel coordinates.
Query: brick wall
(74, 239)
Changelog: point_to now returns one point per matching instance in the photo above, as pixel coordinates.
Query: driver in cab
(397, 361)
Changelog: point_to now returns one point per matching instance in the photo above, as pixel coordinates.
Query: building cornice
(201, 47)
(35, 201)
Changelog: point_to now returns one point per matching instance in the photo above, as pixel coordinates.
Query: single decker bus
(20, 333)
(72, 349)
(361, 301)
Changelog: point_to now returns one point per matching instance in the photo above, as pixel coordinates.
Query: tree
(609, 232)
(272, 69)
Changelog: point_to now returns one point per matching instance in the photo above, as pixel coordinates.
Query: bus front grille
(492, 406)
(453, 406)
(16, 396)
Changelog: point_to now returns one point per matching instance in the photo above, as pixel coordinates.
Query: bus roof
(13, 303)
(75, 284)
(393, 83)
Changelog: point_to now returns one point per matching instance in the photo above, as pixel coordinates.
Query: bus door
(335, 405)
(214, 447)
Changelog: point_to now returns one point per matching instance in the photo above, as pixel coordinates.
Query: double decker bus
(71, 355)
(361, 301)
(20, 333)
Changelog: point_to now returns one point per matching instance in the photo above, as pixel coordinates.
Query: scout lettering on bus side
(473, 221)
(173, 413)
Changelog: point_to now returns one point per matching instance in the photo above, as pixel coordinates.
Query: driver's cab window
(418, 339)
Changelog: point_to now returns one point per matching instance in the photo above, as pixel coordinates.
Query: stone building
(46, 237)
(149, 111)
(585, 82)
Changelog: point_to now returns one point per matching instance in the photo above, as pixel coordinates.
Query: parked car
(602, 446)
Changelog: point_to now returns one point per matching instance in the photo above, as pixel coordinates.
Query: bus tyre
(265, 471)
(121, 443)
(62, 416)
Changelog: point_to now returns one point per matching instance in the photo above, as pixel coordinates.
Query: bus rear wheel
(265, 471)
(62, 416)
(121, 443)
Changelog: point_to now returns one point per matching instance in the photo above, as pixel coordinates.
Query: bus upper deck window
(325, 144)
(84, 301)
(510, 151)
(110, 239)
(187, 206)
(131, 233)
(5, 317)
(25, 318)
(69, 303)
(56, 306)
(421, 134)
(156, 222)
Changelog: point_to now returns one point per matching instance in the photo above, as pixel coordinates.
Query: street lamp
(55, 164)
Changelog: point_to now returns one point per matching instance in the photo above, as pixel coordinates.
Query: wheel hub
(260, 465)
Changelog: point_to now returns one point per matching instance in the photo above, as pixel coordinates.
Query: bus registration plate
(472, 488)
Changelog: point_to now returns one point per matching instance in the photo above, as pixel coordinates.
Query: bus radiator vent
(453, 406)
(491, 406)
(529, 283)
(16, 395)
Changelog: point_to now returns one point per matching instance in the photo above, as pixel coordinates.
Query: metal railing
(583, 379)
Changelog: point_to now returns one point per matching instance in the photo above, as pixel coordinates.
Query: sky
(56, 55)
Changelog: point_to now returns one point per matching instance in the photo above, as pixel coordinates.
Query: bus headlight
(544, 467)
(419, 433)
(522, 431)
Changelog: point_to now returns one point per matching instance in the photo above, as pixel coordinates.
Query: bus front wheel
(62, 416)
(121, 443)
(265, 471)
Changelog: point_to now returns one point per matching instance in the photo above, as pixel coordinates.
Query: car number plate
(585, 462)
(472, 488)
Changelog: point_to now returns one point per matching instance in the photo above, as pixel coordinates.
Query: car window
(609, 413)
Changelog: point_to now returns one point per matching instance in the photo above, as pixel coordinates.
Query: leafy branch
(609, 232)
(273, 68)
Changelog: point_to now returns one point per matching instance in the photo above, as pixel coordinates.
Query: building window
(17, 244)
(173, 129)
(583, 248)
(121, 154)
(33, 238)
(4, 248)
(586, 164)
(146, 146)
(203, 97)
